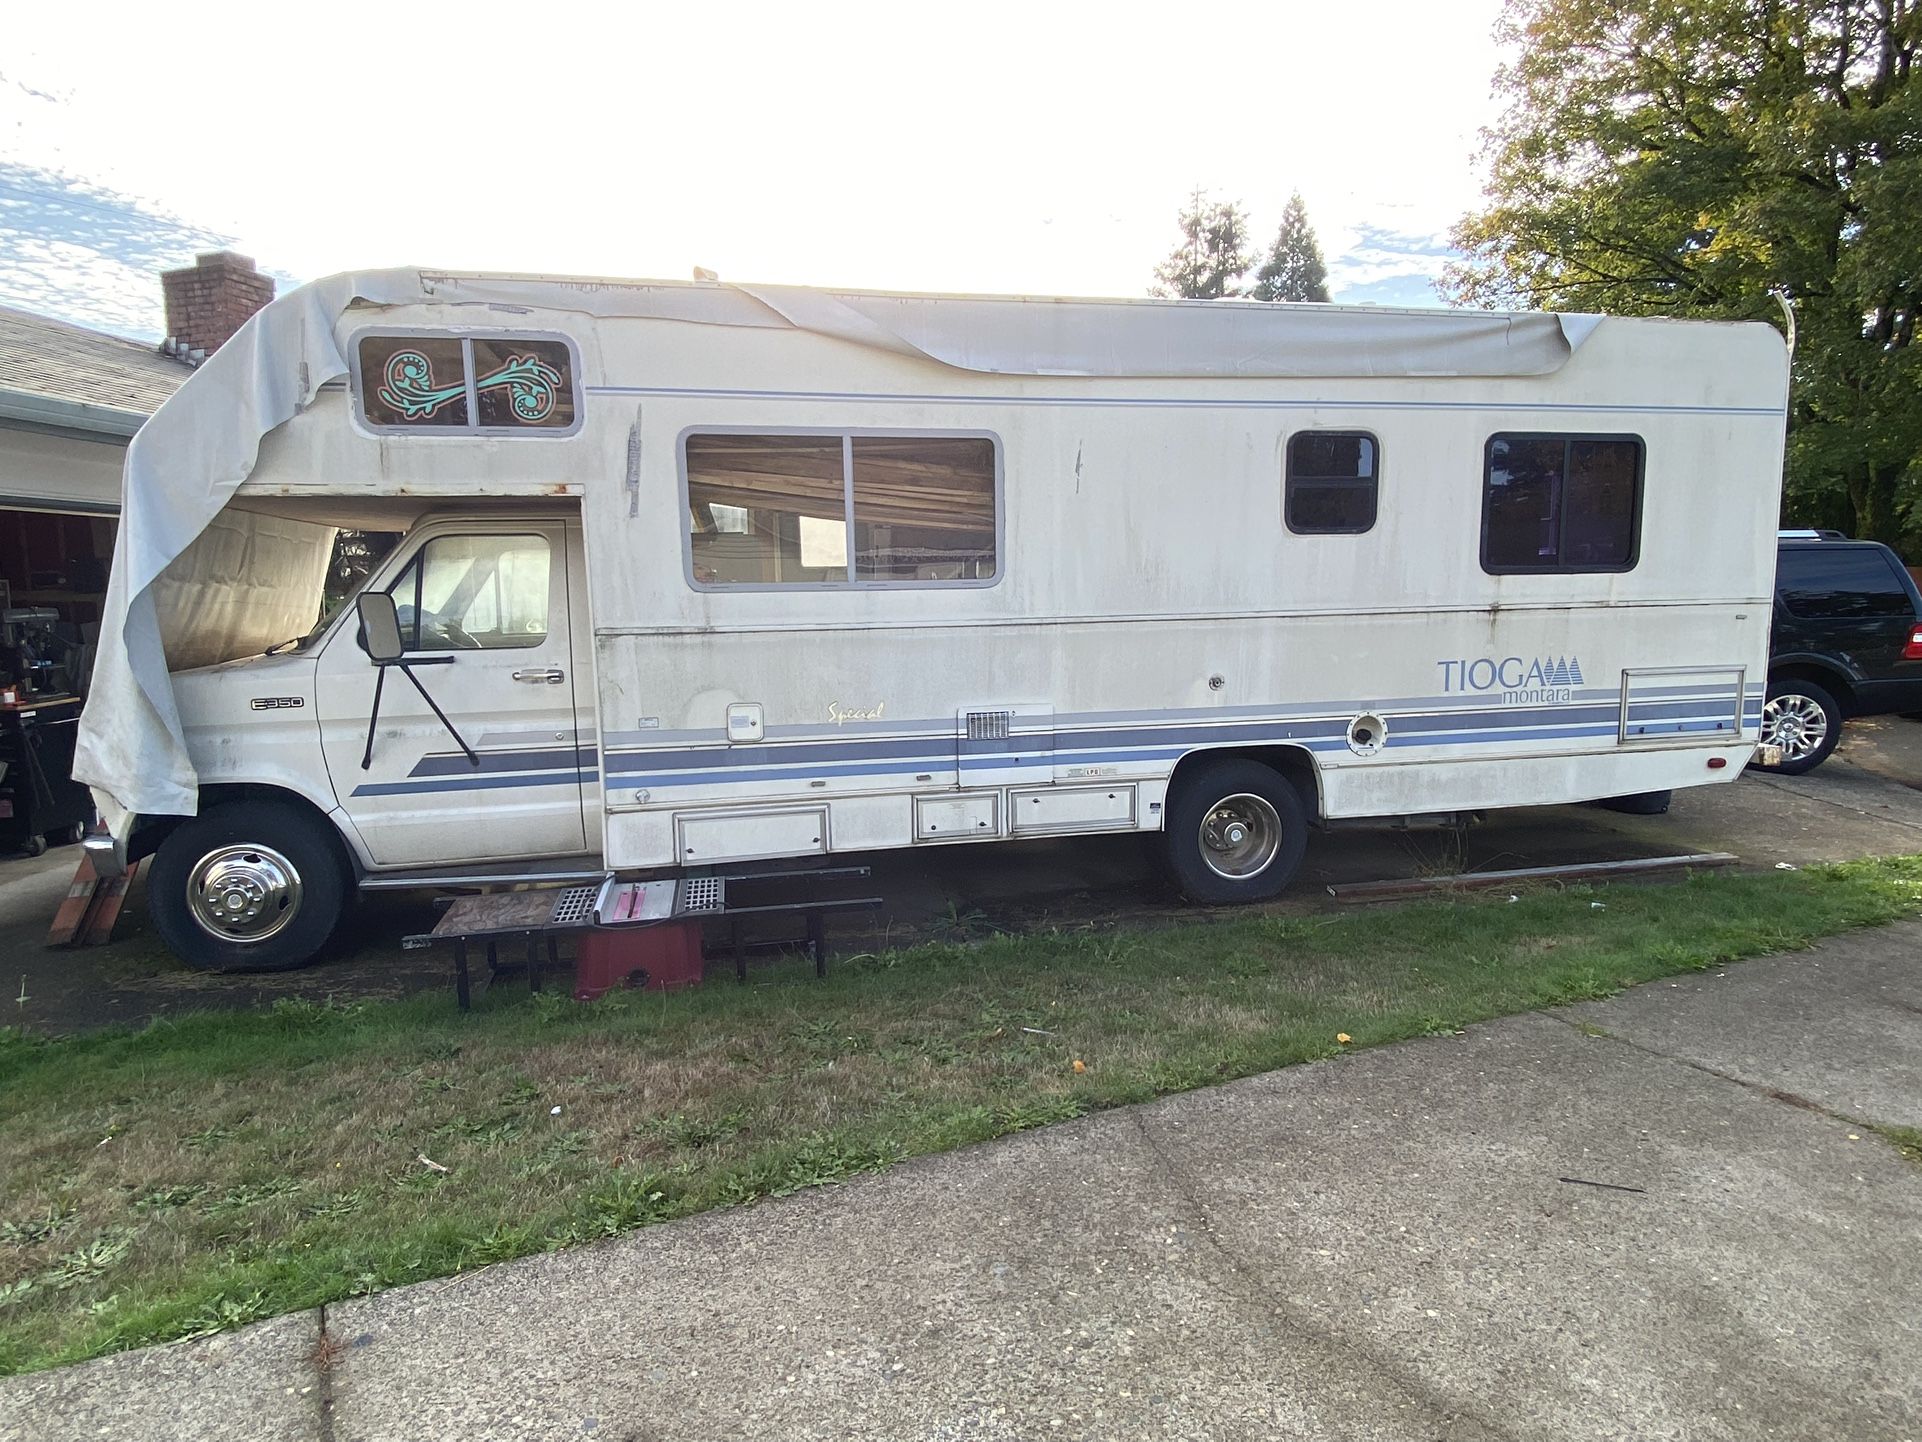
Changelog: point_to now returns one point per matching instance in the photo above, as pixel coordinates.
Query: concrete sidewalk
(1655, 1216)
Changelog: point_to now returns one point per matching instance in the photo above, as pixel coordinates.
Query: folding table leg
(460, 974)
(740, 951)
(817, 944)
(533, 961)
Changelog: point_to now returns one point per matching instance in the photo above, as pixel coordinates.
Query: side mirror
(380, 626)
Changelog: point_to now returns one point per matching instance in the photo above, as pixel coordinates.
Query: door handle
(552, 675)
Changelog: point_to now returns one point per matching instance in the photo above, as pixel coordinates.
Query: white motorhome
(693, 574)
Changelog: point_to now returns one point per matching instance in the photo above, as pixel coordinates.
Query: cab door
(484, 613)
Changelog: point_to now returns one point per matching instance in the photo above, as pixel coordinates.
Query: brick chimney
(210, 300)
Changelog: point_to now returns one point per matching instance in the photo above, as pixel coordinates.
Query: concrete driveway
(1655, 1216)
(1866, 801)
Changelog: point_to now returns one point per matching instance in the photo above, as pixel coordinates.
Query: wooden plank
(500, 911)
(1575, 871)
(72, 915)
(108, 898)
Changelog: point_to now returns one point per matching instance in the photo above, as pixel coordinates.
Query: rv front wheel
(248, 886)
(1235, 832)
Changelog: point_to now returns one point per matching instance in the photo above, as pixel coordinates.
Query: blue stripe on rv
(814, 757)
(475, 783)
(1253, 731)
(746, 775)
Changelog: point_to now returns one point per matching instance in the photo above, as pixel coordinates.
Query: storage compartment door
(749, 834)
(961, 816)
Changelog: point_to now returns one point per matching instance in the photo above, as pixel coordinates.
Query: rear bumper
(1880, 698)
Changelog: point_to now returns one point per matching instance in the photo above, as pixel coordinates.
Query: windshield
(357, 555)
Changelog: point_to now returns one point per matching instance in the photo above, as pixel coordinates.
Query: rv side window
(1561, 503)
(487, 593)
(923, 508)
(1331, 481)
(767, 510)
(840, 510)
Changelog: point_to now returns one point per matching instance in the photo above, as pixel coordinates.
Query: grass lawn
(210, 1170)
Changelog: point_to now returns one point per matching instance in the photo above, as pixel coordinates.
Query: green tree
(1686, 157)
(1294, 269)
(1212, 256)
(356, 553)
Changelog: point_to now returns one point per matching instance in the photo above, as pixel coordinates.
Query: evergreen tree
(1212, 256)
(1294, 269)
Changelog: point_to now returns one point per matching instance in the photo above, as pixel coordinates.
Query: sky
(1037, 148)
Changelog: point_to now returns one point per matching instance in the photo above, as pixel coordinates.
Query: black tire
(256, 838)
(1799, 701)
(1642, 803)
(1197, 867)
(69, 835)
(34, 846)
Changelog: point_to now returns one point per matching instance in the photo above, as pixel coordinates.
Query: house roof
(53, 370)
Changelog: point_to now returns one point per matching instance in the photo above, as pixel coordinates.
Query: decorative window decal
(498, 383)
(410, 389)
(522, 382)
(414, 382)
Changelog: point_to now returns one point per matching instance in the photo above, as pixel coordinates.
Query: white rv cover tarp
(246, 583)
(188, 460)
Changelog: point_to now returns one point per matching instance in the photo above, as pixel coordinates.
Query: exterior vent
(990, 725)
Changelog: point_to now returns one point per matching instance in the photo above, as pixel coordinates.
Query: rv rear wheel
(248, 886)
(1235, 832)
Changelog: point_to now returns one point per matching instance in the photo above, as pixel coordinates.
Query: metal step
(548, 871)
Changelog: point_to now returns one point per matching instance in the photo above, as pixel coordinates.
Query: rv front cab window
(484, 593)
(1331, 480)
(840, 510)
(1561, 503)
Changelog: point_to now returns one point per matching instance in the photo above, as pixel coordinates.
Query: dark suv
(1847, 641)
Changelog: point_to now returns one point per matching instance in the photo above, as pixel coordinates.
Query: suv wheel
(248, 886)
(1804, 721)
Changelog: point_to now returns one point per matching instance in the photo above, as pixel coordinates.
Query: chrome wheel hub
(243, 893)
(1796, 724)
(1240, 836)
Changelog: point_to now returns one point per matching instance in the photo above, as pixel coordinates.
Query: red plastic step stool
(662, 957)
